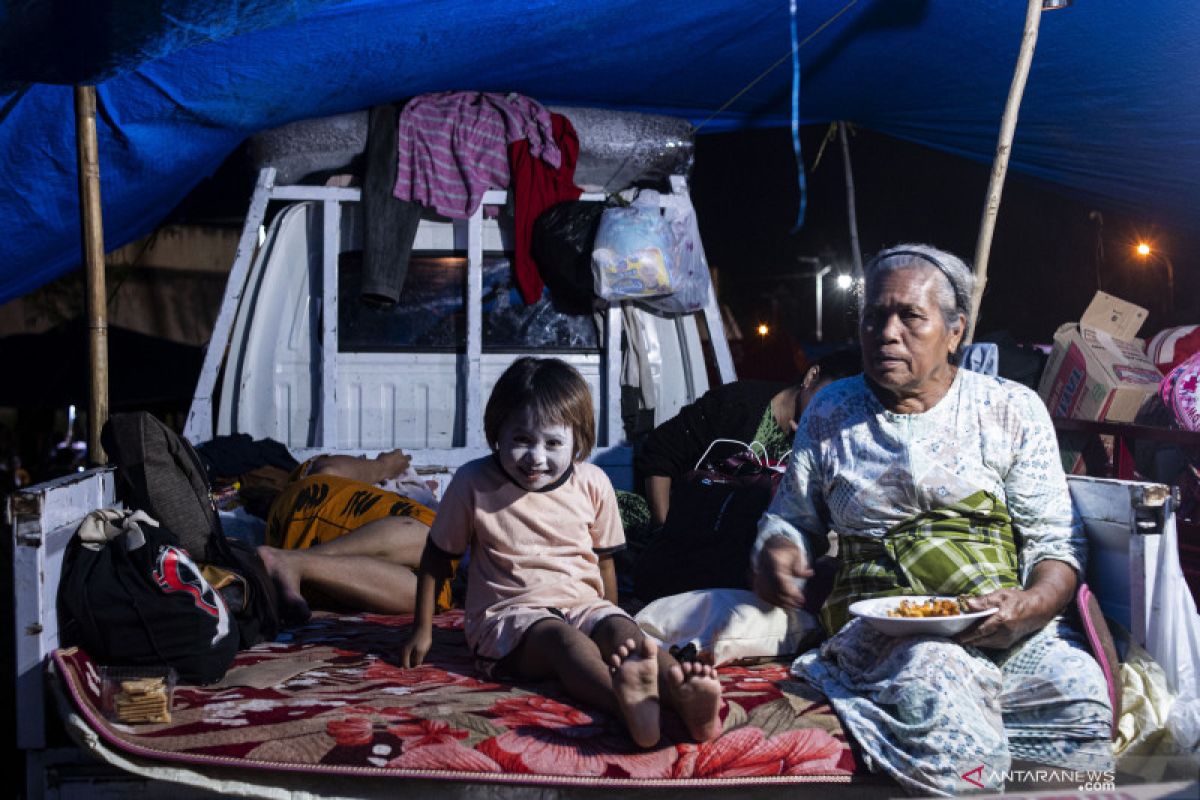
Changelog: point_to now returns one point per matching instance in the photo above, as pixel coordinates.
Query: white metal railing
(199, 426)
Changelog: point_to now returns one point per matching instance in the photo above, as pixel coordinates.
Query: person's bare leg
(396, 539)
(553, 648)
(293, 608)
(691, 690)
(366, 583)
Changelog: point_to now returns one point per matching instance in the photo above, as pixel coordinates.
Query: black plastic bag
(562, 249)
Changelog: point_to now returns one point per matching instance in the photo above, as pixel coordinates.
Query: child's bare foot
(635, 682)
(696, 696)
(293, 608)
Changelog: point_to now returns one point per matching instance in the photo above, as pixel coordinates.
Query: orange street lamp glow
(1145, 251)
(763, 330)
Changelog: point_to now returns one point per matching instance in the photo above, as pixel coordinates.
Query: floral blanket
(328, 698)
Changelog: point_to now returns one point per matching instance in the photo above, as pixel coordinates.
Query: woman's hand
(413, 653)
(780, 564)
(1022, 611)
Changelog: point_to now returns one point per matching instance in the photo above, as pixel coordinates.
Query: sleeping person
(339, 540)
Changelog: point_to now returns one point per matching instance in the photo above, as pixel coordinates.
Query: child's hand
(416, 648)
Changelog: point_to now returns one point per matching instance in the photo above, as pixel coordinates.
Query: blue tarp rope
(802, 179)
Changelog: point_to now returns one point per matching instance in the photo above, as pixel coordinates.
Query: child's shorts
(499, 634)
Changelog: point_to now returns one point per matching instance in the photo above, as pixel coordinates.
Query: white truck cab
(296, 357)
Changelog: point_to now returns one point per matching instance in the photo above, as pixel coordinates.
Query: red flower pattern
(590, 750)
(539, 711)
(351, 731)
(362, 723)
(747, 752)
(546, 736)
(426, 732)
(447, 756)
(421, 678)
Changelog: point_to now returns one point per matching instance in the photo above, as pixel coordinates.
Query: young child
(542, 526)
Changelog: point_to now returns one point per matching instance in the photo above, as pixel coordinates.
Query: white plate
(875, 612)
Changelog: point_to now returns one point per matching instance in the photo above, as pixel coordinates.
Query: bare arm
(367, 470)
(658, 497)
(435, 568)
(608, 576)
(1023, 611)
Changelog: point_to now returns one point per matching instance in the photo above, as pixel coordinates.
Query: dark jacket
(730, 411)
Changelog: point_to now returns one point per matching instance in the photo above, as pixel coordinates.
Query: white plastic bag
(411, 485)
(1173, 638)
(1173, 627)
(651, 254)
(631, 257)
(688, 266)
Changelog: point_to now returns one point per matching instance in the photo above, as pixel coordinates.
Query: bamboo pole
(1008, 126)
(91, 222)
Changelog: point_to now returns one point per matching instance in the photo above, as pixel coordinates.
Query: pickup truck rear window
(431, 315)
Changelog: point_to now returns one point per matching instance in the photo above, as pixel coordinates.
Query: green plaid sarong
(966, 548)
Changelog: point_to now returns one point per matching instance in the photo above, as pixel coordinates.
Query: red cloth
(536, 186)
(1171, 347)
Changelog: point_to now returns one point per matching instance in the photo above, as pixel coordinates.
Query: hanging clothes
(390, 224)
(537, 185)
(452, 147)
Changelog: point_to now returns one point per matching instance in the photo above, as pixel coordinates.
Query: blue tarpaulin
(1111, 112)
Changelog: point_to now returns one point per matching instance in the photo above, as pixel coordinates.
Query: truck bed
(329, 713)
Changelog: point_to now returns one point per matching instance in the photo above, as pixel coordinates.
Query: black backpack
(160, 473)
(710, 529)
(139, 600)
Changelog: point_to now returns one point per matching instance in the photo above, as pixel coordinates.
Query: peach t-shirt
(528, 548)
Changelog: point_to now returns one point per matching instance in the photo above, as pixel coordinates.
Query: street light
(1144, 251)
(844, 281)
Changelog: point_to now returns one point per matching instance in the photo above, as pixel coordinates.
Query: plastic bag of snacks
(633, 252)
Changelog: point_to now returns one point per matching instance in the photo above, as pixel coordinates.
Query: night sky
(1046, 255)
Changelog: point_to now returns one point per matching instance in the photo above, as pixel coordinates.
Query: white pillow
(726, 625)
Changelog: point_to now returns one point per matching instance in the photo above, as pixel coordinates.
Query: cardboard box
(1098, 369)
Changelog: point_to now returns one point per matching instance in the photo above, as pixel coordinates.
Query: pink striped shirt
(454, 147)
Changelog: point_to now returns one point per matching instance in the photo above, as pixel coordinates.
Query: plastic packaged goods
(633, 254)
(137, 695)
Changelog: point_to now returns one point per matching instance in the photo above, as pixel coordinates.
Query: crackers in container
(136, 695)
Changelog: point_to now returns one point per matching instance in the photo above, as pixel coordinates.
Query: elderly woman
(937, 480)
